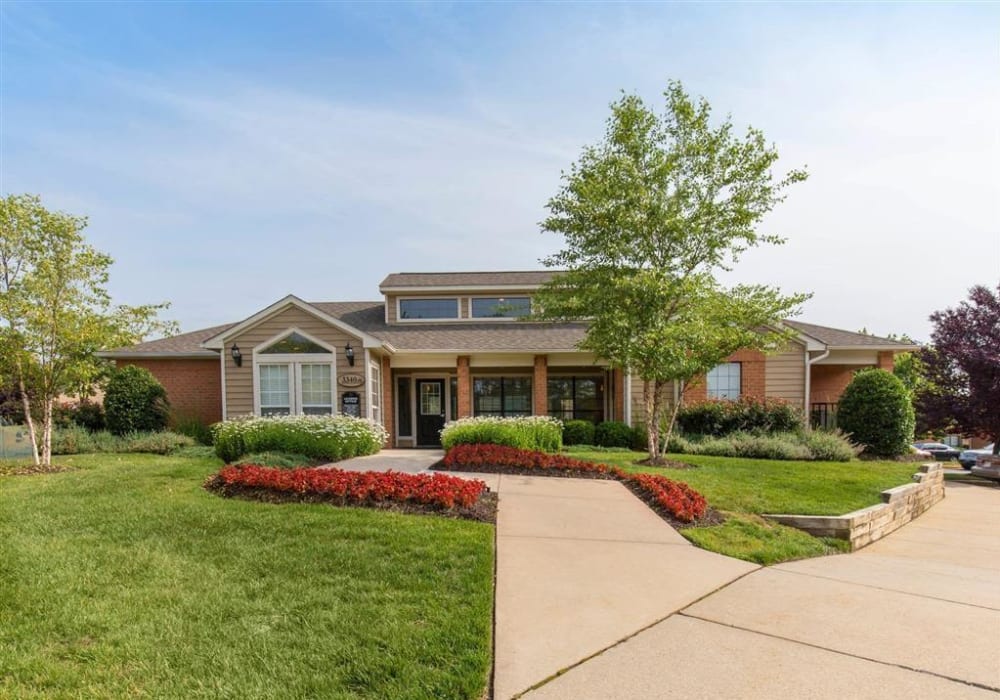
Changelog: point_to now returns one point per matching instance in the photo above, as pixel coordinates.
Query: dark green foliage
(135, 401)
(89, 415)
(611, 433)
(194, 428)
(875, 410)
(718, 418)
(578, 432)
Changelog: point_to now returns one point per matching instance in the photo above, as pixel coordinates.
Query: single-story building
(441, 346)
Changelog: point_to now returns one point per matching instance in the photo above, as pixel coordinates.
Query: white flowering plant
(525, 432)
(323, 437)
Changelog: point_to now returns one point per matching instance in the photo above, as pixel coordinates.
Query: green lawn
(745, 488)
(126, 579)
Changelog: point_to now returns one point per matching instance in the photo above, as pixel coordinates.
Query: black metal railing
(823, 415)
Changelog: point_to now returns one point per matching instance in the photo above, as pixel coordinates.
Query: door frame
(443, 383)
(411, 440)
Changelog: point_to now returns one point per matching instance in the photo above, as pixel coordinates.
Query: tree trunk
(26, 402)
(652, 429)
(679, 399)
(47, 433)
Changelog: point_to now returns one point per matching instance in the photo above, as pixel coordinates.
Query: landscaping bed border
(900, 505)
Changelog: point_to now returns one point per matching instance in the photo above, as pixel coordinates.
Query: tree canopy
(962, 367)
(648, 216)
(55, 310)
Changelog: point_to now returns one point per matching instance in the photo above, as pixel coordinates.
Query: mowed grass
(126, 579)
(743, 489)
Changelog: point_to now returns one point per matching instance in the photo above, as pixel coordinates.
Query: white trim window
(427, 308)
(500, 307)
(375, 391)
(294, 374)
(723, 382)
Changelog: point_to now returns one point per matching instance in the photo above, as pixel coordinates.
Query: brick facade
(540, 386)
(886, 360)
(753, 373)
(194, 387)
(827, 382)
(618, 405)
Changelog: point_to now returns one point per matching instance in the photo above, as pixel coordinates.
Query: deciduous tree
(648, 216)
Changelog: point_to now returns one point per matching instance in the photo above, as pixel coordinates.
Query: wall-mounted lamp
(349, 353)
(237, 355)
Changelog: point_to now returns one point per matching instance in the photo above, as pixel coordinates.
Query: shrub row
(322, 437)
(355, 488)
(77, 440)
(605, 434)
(527, 432)
(717, 418)
(814, 445)
(677, 500)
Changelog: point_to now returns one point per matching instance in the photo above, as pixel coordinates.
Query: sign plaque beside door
(351, 380)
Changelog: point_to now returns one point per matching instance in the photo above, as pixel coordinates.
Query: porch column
(618, 404)
(464, 387)
(540, 386)
(388, 402)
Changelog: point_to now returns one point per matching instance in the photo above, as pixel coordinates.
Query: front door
(430, 411)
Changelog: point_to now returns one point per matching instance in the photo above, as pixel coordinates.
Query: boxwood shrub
(875, 409)
(322, 437)
(578, 432)
(134, 401)
(612, 433)
(718, 418)
(527, 433)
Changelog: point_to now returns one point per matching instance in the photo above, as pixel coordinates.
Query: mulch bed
(484, 510)
(33, 469)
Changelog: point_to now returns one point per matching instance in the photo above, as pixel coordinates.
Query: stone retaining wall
(899, 506)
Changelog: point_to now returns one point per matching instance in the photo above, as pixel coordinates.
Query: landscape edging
(900, 505)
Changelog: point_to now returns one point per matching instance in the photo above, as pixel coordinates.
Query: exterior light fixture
(349, 353)
(237, 355)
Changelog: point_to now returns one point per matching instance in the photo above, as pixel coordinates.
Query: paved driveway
(912, 616)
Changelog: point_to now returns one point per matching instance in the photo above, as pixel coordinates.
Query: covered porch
(424, 391)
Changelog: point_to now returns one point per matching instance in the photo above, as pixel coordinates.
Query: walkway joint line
(975, 684)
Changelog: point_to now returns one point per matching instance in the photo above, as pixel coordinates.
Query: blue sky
(229, 154)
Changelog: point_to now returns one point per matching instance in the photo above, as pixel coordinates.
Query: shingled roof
(837, 338)
(510, 336)
(528, 278)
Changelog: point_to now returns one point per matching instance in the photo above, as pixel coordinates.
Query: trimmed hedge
(875, 409)
(612, 433)
(578, 432)
(527, 433)
(674, 499)
(134, 401)
(323, 437)
(718, 418)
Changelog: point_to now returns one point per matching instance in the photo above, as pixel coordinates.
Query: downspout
(809, 363)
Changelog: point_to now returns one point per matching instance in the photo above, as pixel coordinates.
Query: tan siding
(239, 380)
(390, 305)
(785, 375)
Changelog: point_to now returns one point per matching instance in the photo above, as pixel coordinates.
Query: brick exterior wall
(388, 403)
(540, 386)
(753, 372)
(886, 360)
(194, 387)
(827, 382)
(464, 387)
(618, 404)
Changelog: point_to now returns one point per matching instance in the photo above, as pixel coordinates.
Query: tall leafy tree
(962, 367)
(55, 311)
(649, 215)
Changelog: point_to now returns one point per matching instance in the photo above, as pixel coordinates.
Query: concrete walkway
(581, 564)
(916, 614)
(410, 461)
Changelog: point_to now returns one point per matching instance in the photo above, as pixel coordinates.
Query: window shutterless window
(428, 308)
(500, 307)
(724, 381)
(576, 398)
(375, 392)
(501, 396)
(294, 374)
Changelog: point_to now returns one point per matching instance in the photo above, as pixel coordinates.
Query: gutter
(158, 355)
(809, 363)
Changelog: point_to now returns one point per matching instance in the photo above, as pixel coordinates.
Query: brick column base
(540, 386)
(388, 403)
(464, 387)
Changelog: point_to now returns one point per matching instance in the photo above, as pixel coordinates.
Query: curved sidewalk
(914, 615)
(582, 564)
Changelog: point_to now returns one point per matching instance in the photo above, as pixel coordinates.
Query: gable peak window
(295, 344)
(294, 375)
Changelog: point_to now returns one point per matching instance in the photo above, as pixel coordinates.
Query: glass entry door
(430, 411)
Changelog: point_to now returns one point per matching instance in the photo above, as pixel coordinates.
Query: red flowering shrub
(665, 495)
(355, 488)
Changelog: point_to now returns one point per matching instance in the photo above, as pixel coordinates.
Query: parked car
(968, 458)
(939, 451)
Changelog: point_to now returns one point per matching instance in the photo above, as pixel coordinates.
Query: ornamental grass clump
(542, 433)
(322, 437)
